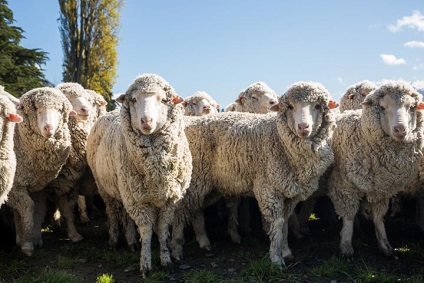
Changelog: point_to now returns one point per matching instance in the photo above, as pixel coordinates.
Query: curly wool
(196, 98)
(230, 156)
(248, 105)
(368, 162)
(7, 153)
(355, 94)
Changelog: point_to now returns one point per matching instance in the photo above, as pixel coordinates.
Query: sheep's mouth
(206, 111)
(303, 134)
(83, 116)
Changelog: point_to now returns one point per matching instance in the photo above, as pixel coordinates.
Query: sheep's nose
(399, 130)
(146, 121)
(303, 126)
(48, 130)
(84, 109)
(206, 107)
(273, 101)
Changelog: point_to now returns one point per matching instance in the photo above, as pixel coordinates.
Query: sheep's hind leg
(82, 209)
(198, 222)
(114, 210)
(66, 206)
(177, 240)
(379, 209)
(346, 233)
(232, 205)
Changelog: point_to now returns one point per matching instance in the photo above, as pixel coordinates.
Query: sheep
(42, 144)
(8, 119)
(63, 189)
(140, 157)
(377, 155)
(200, 103)
(355, 94)
(256, 98)
(231, 158)
(230, 107)
(351, 100)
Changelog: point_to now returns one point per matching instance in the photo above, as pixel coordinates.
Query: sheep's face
(398, 116)
(258, 102)
(148, 110)
(82, 106)
(48, 120)
(200, 107)
(304, 118)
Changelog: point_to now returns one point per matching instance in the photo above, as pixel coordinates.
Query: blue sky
(223, 46)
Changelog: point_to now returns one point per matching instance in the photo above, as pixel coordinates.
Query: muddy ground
(226, 262)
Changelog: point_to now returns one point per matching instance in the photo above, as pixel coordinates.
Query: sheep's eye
(318, 107)
(290, 107)
(254, 98)
(134, 99)
(165, 100)
(195, 104)
(382, 107)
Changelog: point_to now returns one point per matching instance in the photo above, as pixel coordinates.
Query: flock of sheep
(159, 160)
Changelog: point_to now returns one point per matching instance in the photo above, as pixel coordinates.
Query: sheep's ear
(185, 103)
(276, 107)
(103, 102)
(239, 100)
(72, 113)
(15, 118)
(19, 107)
(121, 99)
(366, 103)
(218, 106)
(177, 99)
(420, 106)
(332, 104)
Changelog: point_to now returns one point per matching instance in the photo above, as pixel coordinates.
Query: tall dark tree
(20, 68)
(89, 31)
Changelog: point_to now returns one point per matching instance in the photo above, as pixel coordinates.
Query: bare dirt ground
(316, 256)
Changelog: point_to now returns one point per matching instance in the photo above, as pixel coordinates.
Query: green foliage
(89, 40)
(330, 269)
(105, 278)
(20, 68)
(50, 276)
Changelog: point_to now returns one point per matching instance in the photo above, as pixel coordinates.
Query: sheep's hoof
(169, 267)
(27, 249)
(236, 239)
(113, 246)
(134, 247)
(346, 257)
(177, 253)
(144, 272)
(76, 238)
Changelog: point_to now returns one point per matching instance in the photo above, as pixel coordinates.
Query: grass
(330, 269)
(50, 276)
(203, 276)
(105, 278)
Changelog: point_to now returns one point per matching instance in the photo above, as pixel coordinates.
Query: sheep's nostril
(303, 126)
(272, 102)
(146, 120)
(84, 109)
(399, 129)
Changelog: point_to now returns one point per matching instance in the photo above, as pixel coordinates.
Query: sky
(222, 47)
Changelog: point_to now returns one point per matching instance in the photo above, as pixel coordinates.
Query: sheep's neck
(6, 143)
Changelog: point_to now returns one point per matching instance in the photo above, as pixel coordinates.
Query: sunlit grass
(105, 278)
(313, 217)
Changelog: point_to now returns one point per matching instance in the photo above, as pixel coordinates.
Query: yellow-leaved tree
(89, 32)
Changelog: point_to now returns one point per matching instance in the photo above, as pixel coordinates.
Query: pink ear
(185, 103)
(72, 113)
(420, 106)
(332, 104)
(15, 118)
(177, 99)
(103, 103)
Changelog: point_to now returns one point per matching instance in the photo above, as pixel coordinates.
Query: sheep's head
(149, 99)
(305, 105)
(199, 104)
(396, 104)
(355, 94)
(256, 98)
(99, 103)
(45, 110)
(8, 111)
(81, 101)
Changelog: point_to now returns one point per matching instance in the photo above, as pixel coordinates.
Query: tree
(20, 68)
(89, 31)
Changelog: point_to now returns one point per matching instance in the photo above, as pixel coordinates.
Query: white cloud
(392, 60)
(419, 84)
(340, 80)
(416, 20)
(414, 44)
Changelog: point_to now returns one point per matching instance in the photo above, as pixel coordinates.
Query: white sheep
(42, 144)
(140, 157)
(199, 104)
(256, 98)
(63, 189)
(277, 158)
(8, 119)
(377, 152)
(351, 100)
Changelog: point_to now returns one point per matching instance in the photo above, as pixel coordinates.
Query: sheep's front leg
(272, 209)
(82, 209)
(23, 205)
(379, 209)
(177, 240)
(130, 231)
(66, 206)
(113, 211)
(39, 199)
(165, 217)
(288, 211)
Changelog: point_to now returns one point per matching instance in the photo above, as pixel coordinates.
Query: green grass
(105, 278)
(264, 271)
(49, 276)
(203, 276)
(64, 262)
(330, 269)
